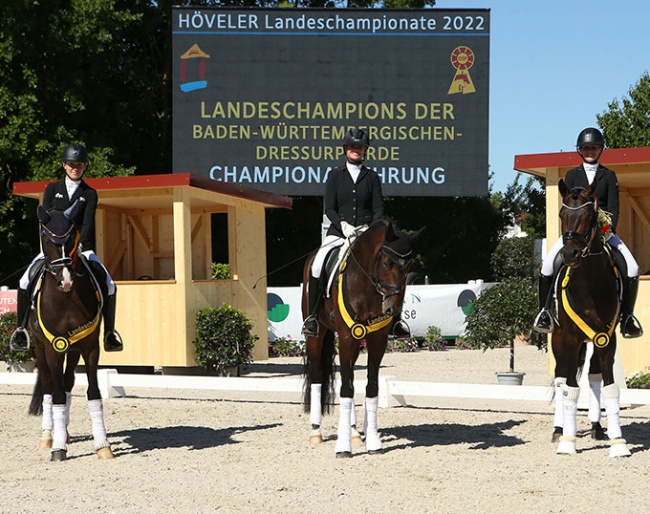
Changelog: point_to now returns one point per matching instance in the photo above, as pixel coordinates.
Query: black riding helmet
(590, 137)
(356, 136)
(74, 152)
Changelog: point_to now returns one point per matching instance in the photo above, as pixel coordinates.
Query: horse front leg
(566, 351)
(347, 359)
(59, 429)
(95, 405)
(611, 396)
(376, 347)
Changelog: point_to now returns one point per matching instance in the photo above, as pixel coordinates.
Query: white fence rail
(391, 392)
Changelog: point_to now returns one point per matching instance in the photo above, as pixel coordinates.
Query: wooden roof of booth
(632, 165)
(152, 191)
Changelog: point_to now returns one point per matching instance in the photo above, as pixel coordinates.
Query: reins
(572, 235)
(380, 286)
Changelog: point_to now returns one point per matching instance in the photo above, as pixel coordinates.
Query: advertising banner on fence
(444, 306)
(264, 97)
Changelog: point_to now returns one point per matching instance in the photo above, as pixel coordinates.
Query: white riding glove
(348, 230)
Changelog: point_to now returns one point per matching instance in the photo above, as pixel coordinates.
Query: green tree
(525, 204)
(627, 124)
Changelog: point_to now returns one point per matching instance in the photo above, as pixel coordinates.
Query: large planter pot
(22, 367)
(510, 377)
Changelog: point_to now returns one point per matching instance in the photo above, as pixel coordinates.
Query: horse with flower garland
(588, 306)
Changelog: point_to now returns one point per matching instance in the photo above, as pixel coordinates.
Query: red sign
(7, 301)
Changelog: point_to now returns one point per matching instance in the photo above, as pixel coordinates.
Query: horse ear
(564, 190)
(43, 215)
(390, 233)
(414, 236)
(71, 212)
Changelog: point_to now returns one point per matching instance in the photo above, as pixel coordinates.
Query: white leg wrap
(558, 402)
(315, 416)
(353, 416)
(570, 396)
(68, 404)
(567, 444)
(611, 400)
(595, 383)
(373, 442)
(47, 423)
(60, 435)
(343, 443)
(97, 417)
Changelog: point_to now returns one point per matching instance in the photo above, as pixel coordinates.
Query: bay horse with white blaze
(65, 323)
(588, 305)
(365, 297)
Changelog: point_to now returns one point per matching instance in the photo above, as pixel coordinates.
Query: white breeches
(329, 243)
(88, 254)
(615, 241)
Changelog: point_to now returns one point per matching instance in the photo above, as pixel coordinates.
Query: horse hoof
(44, 443)
(356, 439)
(105, 453)
(344, 455)
(566, 446)
(58, 455)
(315, 437)
(618, 448)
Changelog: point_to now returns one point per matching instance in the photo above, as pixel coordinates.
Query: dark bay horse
(65, 323)
(366, 295)
(588, 305)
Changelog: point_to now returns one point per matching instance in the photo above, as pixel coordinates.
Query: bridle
(584, 239)
(55, 266)
(402, 261)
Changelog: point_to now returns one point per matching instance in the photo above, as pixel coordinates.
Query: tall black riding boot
(630, 326)
(544, 321)
(401, 330)
(310, 326)
(19, 340)
(112, 339)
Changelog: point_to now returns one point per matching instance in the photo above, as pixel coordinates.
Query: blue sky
(555, 65)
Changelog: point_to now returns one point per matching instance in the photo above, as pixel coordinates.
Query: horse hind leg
(594, 414)
(558, 405)
(47, 423)
(611, 400)
(315, 414)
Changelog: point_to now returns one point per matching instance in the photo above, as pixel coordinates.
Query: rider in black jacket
(590, 146)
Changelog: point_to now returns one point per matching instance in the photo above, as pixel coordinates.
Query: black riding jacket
(56, 197)
(357, 204)
(606, 188)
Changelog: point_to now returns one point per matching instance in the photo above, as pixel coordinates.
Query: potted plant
(223, 340)
(507, 310)
(16, 361)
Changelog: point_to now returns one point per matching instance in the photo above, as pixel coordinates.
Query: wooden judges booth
(632, 167)
(154, 234)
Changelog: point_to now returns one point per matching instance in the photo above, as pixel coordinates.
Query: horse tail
(36, 405)
(328, 352)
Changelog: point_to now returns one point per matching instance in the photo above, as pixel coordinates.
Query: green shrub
(433, 341)
(223, 338)
(8, 323)
(283, 347)
(220, 271)
(639, 380)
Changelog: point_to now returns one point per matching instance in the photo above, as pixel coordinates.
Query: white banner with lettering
(444, 306)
